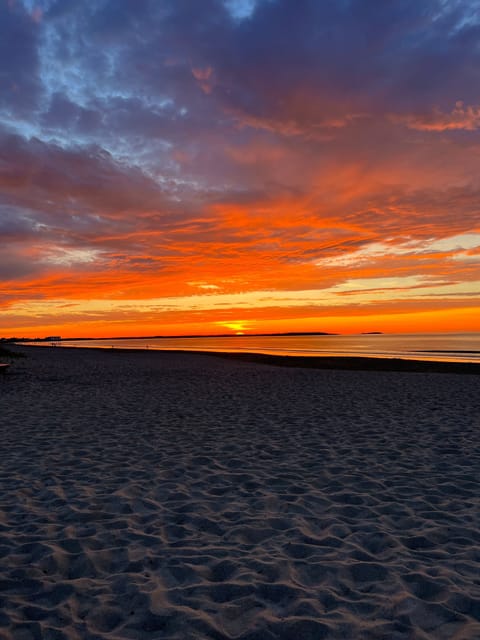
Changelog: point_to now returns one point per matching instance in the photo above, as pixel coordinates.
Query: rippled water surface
(458, 347)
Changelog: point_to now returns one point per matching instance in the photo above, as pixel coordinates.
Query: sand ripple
(174, 496)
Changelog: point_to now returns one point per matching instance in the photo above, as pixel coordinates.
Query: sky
(174, 167)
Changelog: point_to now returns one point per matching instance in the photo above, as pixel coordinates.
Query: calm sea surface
(456, 347)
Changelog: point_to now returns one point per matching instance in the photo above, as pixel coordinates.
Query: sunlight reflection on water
(458, 347)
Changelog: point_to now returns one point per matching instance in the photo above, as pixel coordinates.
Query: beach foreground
(166, 495)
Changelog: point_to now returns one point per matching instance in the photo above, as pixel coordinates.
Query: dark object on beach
(3, 367)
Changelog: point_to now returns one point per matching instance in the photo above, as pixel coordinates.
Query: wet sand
(176, 495)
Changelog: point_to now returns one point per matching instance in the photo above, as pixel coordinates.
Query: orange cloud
(205, 78)
(466, 117)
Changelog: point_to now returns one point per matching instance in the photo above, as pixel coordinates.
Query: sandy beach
(151, 495)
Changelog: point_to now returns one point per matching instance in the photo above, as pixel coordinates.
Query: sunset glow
(236, 166)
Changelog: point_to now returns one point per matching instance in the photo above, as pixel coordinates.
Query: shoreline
(335, 363)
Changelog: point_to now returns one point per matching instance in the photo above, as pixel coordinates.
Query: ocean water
(452, 347)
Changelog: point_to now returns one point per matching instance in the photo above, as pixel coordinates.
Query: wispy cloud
(462, 117)
(452, 247)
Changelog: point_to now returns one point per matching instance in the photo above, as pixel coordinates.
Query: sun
(239, 326)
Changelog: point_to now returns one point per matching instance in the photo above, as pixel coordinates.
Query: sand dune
(156, 495)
